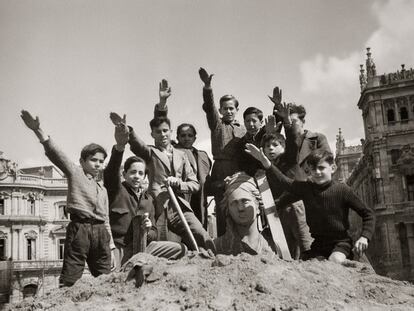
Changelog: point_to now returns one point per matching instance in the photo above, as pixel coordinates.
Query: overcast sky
(73, 62)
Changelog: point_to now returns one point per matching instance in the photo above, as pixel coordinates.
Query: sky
(73, 62)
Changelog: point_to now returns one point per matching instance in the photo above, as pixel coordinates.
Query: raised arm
(112, 177)
(138, 146)
(276, 99)
(272, 172)
(161, 109)
(53, 152)
(213, 116)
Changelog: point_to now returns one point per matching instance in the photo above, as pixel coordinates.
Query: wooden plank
(272, 217)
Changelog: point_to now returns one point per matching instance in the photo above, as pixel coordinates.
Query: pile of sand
(243, 282)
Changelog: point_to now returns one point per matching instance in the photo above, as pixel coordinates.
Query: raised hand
(258, 154)
(277, 97)
(271, 126)
(121, 134)
(116, 118)
(31, 123)
(165, 91)
(284, 112)
(205, 77)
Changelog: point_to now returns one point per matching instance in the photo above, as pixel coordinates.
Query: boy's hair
(319, 155)
(183, 125)
(273, 136)
(253, 110)
(299, 109)
(156, 122)
(132, 160)
(226, 98)
(91, 150)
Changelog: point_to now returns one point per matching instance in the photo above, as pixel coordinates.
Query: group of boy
(299, 169)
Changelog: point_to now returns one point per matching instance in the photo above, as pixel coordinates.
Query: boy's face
(161, 135)
(186, 137)
(243, 207)
(297, 122)
(228, 110)
(273, 149)
(252, 123)
(135, 175)
(93, 164)
(322, 173)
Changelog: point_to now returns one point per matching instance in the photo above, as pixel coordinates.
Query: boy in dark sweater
(327, 206)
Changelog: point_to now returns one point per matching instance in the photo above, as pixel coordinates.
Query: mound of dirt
(243, 282)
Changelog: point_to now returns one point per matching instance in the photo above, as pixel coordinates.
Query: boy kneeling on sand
(327, 206)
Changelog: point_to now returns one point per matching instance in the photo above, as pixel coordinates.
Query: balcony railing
(36, 264)
(37, 180)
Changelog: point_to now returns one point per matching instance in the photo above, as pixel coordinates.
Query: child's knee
(337, 257)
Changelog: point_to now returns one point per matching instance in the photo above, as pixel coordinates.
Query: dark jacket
(124, 203)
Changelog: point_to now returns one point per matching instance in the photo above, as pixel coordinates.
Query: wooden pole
(139, 234)
(182, 218)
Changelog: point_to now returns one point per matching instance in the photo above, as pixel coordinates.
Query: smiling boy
(327, 206)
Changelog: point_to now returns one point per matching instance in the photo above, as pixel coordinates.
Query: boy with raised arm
(169, 166)
(88, 235)
(226, 133)
(127, 199)
(199, 160)
(327, 205)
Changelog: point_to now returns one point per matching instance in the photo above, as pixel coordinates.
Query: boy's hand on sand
(271, 126)
(31, 123)
(116, 118)
(164, 91)
(258, 154)
(205, 77)
(277, 97)
(361, 245)
(121, 135)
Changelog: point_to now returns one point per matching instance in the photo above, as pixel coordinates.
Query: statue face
(243, 207)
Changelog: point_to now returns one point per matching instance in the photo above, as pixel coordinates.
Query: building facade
(384, 176)
(33, 223)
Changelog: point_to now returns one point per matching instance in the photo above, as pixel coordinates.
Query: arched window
(403, 113)
(29, 290)
(390, 115)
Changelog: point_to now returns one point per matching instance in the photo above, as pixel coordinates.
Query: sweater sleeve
(58, 157)
(276, 177)
(213, 116)
(112, 177)
(366, 213)
(138, 146)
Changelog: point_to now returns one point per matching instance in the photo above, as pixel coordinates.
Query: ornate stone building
(384, 176)
(32, 229)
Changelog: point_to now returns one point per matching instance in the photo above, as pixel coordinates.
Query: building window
(390, 115)
(62, 212)
(61, 250)
(2, 212)
(404, 246)
(31, 249)
(29, 290)
(410, 187)
(395, 155)
(32, 205)
(2, 249)
(403, 113)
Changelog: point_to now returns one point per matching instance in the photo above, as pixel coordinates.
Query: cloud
(330, 82)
